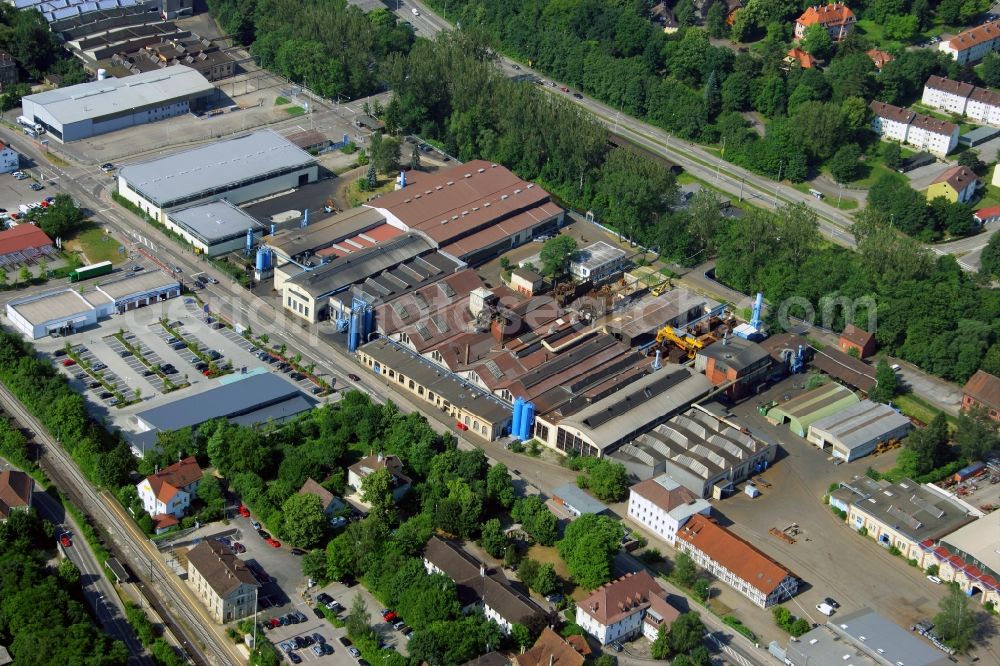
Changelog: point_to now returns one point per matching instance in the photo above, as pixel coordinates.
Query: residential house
(880, 58)
(357, 472)
(735, 562)
(957, 184)
(899, 515)
(222, 581)
(551, 649)
(168, 492)
(525, 282)
(662, 15)
(797, 56)
(973, 44)
(481, 587)
(16, 490)
(987, 215)
(330, 503)
(858, 339)
(662, 505)
(924, 132)
(947, 95)
(983, 106)
(8, 70)
(625, 608)
(982, 390)
(837, 18)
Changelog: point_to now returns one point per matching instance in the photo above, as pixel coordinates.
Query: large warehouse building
(807, 408)
(214, 228)
(249, 167)
(66, 311)
(97, 107)
(855, 432)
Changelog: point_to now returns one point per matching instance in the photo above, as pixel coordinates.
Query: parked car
(354, 652)
(398, 624)
(273, 543)
(345, 641)
(318, 638)
(68, 362)
(934, 579)
(238, 547)
(37, 186)
(578, 95)
(245, 512)
(831, 602)
(253, 523)
(105, 395)
(294, 658)
(107, 167)
(324, 598)
(353, 377)
(825, 609)
(617, 647)
(66, 540)
(318, 612)
(264, 534)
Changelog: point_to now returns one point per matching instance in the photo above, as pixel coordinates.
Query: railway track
(165, 592)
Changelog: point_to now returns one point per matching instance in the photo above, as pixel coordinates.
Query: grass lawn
(294, 110)
(95, 245)
(918, 408)
(876, 34)
(55, 159)
(991, 197)
(279, 100)
(549, 555)
(356, 197)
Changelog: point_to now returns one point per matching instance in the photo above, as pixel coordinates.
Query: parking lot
(15, 193)
(134, 361)
(93, 375)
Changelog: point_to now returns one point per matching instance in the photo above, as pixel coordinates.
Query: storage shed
(855, 432)
(803, 410)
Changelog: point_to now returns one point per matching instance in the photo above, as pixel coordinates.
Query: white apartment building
(973, 44)
(983, 107)
(10, 160)
(935, 136)
(890, 122)
(947, 95)
(624, 608)
(169, 491)
(662, 505)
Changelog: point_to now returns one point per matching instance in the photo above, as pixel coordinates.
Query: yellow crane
(685, 341)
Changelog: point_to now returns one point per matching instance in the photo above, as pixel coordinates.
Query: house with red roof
(858, 339)
(880, 58)
(167, 494)
(837, 18)
(23, 237)
(987, 215)
(625, 608)
(800, 57)
(735, 562)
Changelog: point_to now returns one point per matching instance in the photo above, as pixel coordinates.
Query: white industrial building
(663, 506)
(855, 432)
(66, 311)
(214, 228)
(597, 262)
(242, 169)
(97, 107)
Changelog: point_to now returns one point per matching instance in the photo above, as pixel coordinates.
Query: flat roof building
(901, 514)
(129, 291)
(247, 401)
(704, 453)
(97, 107)
(214, 228)
(737, 363)
(240, 169)
(969, 556)
(642, 320)
(856, 431)
(604, 425)
(806, 408)
(576, 500)
(62, 311)
(597, 262)
(862, 638)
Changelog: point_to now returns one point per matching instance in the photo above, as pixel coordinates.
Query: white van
(825, 608)
(416, 12)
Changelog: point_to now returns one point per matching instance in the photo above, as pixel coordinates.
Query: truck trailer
(87, 272)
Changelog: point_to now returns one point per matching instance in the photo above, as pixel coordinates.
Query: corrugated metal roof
(861, 424)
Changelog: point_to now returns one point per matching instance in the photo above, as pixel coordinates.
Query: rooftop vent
(439, 187)
(406, 201)
(464, 213)
(468, 175)
(503, 196)
(417, 197)
(427, 191)
(475, 208)
(444, 221)
(530, 185)
(451, 182)
(493, 166)
(486, 205)
(517, 191)
(454, 217)
(480, 170)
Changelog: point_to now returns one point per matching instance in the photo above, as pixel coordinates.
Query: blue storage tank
(527, 420)
(261, 258)
(354, 332)
(369, 327)
(515, 427)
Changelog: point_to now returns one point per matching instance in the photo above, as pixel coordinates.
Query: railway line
(173, 602)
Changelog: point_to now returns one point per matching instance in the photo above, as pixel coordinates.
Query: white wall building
(597, 262)
(663, 506)
(946, 95)
(10, 160)
(935, 136)
(242, 169)
(169, 491)
(625, 608)
(973, 44)
(984, 107)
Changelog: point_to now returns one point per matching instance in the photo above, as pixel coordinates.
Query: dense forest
(43, 621)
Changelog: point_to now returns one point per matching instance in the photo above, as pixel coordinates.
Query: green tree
(927, 448)
(499, 486)
(61, 219)
(701, 589)
(891, 154)
(991, 69)
(608, 481)
(587, 548)
(24, 275)
(429, 599)
(903, 28)
(686, 633)
(715, 20)
(303, 519)
(970, 158)
(371, 177)
(376, 491)
(886, 382)
(557, 254)
(521, 636)
(415, 158)
(493, 540)
(989, 260)
(816, 41)
(545, 580)
(956, 621)
(359, 620)
(68, 573)
(976, 434)
(210, 493)
(845, 165)
(660, 648)
(314, 565)
(684, 573)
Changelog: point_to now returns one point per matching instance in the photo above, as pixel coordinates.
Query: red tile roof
(22, 237)
(949, 86)
(880, 58)
(829, 16)
(551, 649)
(934, 125)
(168, 481)
(856, 335)
(984, 388)
(973, 36)
(890, 112)
(805, 60)
(15, 491)
(722, 546)
(668, 500)
(629, 594)
(984, 214)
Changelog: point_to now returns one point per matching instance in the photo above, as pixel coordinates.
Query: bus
(87, 272)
